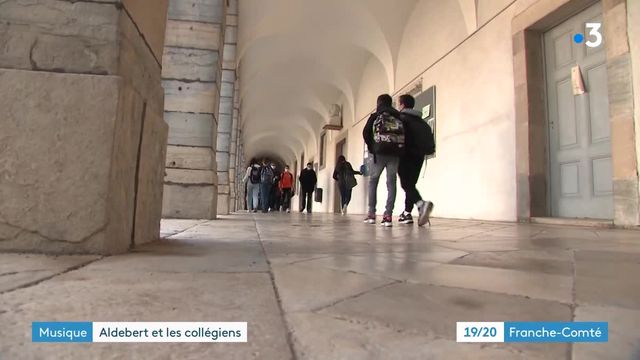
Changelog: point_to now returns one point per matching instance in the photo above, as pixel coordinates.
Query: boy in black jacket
(419, 143)
(381, 161)
(308, 181)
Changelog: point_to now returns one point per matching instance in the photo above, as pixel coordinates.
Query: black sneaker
(405, 219)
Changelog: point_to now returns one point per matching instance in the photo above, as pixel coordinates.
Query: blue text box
(62, 332)
(556, 332)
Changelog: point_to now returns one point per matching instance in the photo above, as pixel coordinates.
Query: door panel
(567, 126)
(579, 131)
(598, 104)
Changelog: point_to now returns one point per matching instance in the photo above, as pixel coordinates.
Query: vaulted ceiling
(297, 57)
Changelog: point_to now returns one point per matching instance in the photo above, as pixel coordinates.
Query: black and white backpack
(388, 135)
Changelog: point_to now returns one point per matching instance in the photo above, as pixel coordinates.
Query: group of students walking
(398, 141)
(269, 190)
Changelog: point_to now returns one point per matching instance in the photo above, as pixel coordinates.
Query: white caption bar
(157, 332)
(477, 332)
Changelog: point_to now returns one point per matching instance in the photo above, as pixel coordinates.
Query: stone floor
(330, 287)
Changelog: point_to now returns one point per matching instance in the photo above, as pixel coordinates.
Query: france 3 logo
(594, 35)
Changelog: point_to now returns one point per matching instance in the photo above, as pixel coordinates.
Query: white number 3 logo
(595, 33)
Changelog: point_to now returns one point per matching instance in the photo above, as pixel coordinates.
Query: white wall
(488, 8)
(433, 30)
(473, 175)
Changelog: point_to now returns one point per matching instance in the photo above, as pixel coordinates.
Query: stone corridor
(329, 287)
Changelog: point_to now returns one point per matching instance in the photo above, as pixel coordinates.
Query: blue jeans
(382, 162)
(265, 195)
(252, 196)
(345, 194)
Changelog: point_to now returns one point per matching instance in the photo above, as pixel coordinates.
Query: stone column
(191, 80)
(233, 150)
(241, 168)
(621, 110)
(633, 22)
(82, 139)
(227, 92)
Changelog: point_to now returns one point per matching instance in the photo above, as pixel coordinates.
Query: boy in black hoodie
(419, 143)
(381, 161)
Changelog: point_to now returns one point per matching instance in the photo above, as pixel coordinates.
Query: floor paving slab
(86, 295)
(433, 311)
(18, 270)
(330, 287)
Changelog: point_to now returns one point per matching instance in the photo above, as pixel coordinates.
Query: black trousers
(286, 199)
(307, 200)
(409, 172)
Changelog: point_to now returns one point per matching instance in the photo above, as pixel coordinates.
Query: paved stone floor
(330, 287)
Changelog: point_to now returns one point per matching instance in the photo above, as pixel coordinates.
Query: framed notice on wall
(426, 102)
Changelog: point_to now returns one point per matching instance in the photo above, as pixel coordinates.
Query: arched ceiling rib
(297, 57)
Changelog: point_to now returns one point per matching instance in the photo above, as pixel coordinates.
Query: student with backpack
(345, 176)
(419, 143)
(266, 182)
(384, 135)
(252, 179)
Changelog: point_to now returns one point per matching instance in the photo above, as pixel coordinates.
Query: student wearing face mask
(252, 181)
(286, 188)
(308, 180)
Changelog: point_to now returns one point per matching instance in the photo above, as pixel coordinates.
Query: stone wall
(83, 136)
(150, 22)
(226, 110)
(621, 113)
(634, 44)
(191, 78)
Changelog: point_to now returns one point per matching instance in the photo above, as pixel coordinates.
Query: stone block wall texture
(633, 22)
(621, 112)
(191, 67)
(226, 110)
(82, 146)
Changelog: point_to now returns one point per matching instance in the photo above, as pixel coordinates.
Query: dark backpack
(349, 177)
(431, 142)
(426, 144)
(267, 175)
(388, 135)
(254, 177)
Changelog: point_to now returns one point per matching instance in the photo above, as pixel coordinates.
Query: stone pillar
(82, 139)
(227, 92)
(192, 59)
(621, 110)
(633, 22)
(233, 150)
(241, 166)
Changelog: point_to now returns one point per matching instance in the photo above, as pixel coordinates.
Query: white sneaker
(425, 208)
(344, 210)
